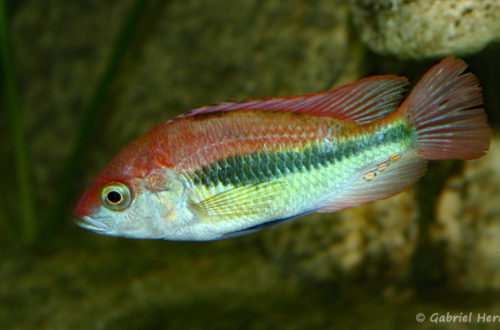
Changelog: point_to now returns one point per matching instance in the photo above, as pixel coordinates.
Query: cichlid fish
(236, 167)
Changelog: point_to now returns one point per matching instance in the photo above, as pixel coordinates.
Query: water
(432, 249)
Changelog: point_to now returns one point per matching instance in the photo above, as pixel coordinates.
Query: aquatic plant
(28, 228)
(14, 114)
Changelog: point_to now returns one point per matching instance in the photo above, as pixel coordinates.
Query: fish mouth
(91, 224)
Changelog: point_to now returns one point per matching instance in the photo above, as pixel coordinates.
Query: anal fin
(377, 181)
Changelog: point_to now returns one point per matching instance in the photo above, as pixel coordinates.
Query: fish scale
(303, 168)
(262, 166)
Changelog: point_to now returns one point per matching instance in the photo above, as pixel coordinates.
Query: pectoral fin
(243, 201)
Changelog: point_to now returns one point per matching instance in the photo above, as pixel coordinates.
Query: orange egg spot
(370, 175)
(395, 157)
(382, 167)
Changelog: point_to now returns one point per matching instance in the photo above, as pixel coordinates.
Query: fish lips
(91, 224)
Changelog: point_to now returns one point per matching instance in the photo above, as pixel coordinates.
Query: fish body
(236, 167)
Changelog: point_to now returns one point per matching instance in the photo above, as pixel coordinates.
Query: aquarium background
(81, 79)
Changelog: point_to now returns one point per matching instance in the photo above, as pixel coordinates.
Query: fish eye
(116, 196)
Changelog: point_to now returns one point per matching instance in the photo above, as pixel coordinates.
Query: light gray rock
(427, 28)
(468, 223)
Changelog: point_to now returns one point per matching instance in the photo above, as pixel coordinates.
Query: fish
(236, 167)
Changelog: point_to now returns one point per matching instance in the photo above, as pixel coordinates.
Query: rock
(423, 28)
(372, 241)
(468, 223)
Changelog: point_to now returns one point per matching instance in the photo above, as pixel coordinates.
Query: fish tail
(445, 108)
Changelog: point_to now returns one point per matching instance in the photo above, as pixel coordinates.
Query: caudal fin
(445, 108)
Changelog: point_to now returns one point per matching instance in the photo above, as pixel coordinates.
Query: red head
(133, 196)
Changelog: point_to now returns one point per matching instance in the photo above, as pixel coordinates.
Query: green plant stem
(88, 123)
(15, 120)
(6, 228)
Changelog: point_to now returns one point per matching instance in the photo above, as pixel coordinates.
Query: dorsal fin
(361, 102)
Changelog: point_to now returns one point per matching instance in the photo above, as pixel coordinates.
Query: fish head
(133, 201)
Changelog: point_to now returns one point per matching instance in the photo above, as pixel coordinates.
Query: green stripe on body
(241, 170)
